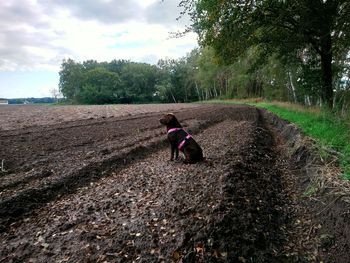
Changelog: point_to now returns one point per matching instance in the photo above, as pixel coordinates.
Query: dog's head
(169, 119)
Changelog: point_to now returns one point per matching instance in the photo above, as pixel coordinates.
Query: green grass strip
(329, 130)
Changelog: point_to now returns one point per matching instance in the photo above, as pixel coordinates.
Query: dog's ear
(172, 119)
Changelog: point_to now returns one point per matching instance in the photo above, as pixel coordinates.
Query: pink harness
(182, 143)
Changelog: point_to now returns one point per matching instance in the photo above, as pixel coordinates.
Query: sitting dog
(180, 140)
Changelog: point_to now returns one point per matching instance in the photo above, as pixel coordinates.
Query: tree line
(295, 49)
(121, 81)
(194, 77)
(287, 50)
(45, 100)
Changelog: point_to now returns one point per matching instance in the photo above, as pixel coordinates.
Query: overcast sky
(36, 35)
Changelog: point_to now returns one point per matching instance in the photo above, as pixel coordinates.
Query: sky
(36, 35)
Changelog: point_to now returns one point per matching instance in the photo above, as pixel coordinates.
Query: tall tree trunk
(326, 71)
(292, 86)
(215, 91)
(172, 95)
(199, 95)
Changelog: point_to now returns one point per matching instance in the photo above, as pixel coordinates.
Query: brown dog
(180, 140)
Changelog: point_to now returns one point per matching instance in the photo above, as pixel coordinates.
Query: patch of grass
(235, 101)
(329, 130)
(310, 191)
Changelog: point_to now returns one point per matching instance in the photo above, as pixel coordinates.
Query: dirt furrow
(18, 117)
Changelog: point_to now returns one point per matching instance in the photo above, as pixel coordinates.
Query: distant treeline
(121, 81)
(31, 100)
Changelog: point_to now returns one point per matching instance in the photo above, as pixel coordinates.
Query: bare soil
(22, 116)
(92, 186)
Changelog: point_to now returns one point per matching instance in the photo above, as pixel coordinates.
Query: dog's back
(180, 140)
(193, 152)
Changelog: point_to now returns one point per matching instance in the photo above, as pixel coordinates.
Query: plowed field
(95, 184)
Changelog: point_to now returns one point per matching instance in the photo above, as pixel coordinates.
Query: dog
(179, 139)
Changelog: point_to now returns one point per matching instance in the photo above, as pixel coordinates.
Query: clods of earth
(100, 188)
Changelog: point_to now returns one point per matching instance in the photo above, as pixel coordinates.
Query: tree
(165, 88)
(207, 71)
(55, 94)
(71, 79)
(286, 27)
(100, 87)
(178, 82)
(139, 80)
(118, 81)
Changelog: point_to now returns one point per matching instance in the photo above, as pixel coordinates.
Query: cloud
(167, 13)
(17, 12)
(39, 34)
(106, 11)
(19, 49)
(26, 39)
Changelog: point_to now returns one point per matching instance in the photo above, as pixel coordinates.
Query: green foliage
(119, 81)
(310, 191)
(242, 79)
(276, 80)
(71, 79)
(198, 76)
(178, 79)
(138, 82)
(100, 87)
(313, 34)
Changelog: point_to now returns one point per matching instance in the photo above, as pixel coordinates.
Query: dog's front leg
(176, 153)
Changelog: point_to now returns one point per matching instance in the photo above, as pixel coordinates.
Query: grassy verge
(328, 129)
